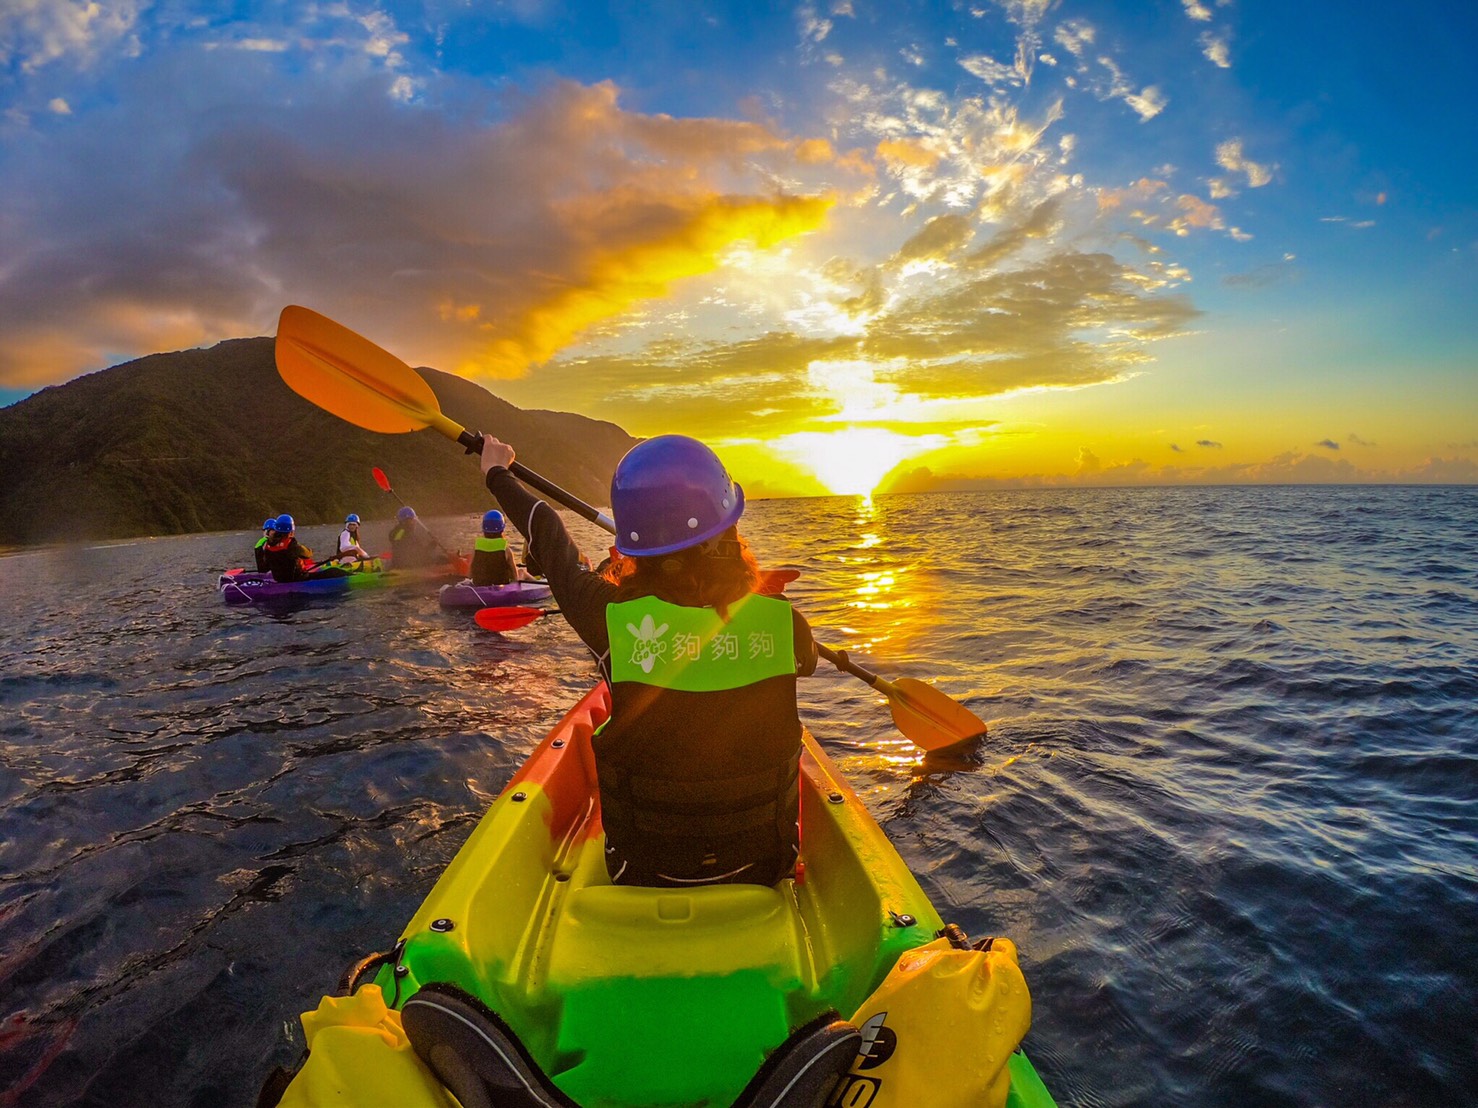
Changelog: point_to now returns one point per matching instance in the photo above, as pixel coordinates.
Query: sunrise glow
(918, 247)
(848, 462)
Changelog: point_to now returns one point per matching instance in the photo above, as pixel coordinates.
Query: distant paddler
(412, 546)
(349, 548)
(269, 532)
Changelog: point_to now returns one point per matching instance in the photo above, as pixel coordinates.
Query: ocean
(1226, 808)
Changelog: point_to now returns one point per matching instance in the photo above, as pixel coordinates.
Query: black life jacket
(698, 764)
(492, 562)
(284, 559)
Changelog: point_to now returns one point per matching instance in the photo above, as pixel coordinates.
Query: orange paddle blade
(931, 719)
(344, 373)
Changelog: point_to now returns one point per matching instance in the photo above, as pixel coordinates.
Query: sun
(850, 462)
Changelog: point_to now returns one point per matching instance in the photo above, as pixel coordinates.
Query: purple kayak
(256, 588)
(465, 594)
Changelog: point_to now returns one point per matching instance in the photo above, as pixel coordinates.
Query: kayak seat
(474, 1053)
(481, 1061)
(804, 1071)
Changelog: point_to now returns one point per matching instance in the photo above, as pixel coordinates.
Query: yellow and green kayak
(527, 979)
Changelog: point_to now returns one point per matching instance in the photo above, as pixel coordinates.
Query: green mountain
(212, 440)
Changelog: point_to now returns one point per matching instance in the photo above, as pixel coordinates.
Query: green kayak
(526, 978)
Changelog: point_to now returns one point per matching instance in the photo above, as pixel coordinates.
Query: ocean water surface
(1226, 808)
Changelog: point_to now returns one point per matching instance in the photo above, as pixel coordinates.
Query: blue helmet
(352, 517)
(669, 493)
(270, 524)
(284, 524)
(492, 522)
(406, 513)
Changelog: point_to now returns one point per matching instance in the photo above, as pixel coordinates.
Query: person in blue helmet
(289, 560)
(349, 548)
(698, 764)
(412, 546)
(492, 560)
(269, 527)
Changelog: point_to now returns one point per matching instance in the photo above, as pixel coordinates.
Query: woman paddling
(698, 763)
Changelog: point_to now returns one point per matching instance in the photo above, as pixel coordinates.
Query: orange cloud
(624, 265)
(904, 152)
(450, 240)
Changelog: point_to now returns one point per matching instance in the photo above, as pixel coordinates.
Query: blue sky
(929, 244)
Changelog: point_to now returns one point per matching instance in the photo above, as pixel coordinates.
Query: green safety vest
(698, 762)
(489, 546)
(694, 649)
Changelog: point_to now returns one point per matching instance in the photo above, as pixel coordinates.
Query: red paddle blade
(380, 478)
(506, 619)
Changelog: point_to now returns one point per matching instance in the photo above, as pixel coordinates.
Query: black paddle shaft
(472, 440)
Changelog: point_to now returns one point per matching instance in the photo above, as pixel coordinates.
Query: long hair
(713, 574)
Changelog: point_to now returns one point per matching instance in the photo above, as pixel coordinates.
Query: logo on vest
(647, 647)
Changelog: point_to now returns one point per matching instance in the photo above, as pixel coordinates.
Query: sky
(852, 244)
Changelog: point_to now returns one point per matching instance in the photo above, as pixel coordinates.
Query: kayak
(240, 587)
(527, 979)
(382, 571)
(464, 594)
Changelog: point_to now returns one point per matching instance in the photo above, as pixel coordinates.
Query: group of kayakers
(412, 546)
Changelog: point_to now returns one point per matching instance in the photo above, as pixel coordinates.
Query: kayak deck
(629, 996)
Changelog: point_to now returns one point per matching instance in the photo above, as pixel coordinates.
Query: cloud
(1209, 443)
(1358, 441)
(991, 71)
(923, 255)
(1148, 103)
(1328, 444)
(1176, 449)
(1230, 157)
(1196, 10)
(480, 247)
(1195, 214)
(37, 33)
(1216, 49)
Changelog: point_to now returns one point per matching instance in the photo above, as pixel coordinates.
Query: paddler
(349, 547)
(492, 560)
(698, 764)
(260, 550)
(411, 544)
(290, 560)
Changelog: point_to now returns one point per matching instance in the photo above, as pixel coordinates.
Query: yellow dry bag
(940, 1029)
(358, 1054)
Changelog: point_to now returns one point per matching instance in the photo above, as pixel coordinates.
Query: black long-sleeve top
(582, 595)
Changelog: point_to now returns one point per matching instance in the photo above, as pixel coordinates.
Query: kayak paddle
(509, 618)
(384, 483)
(345, 374)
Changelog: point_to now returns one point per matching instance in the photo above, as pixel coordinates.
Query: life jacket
(411, 546)
(287, 559)
(353, 542)
(492, 562)
(698, 763)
